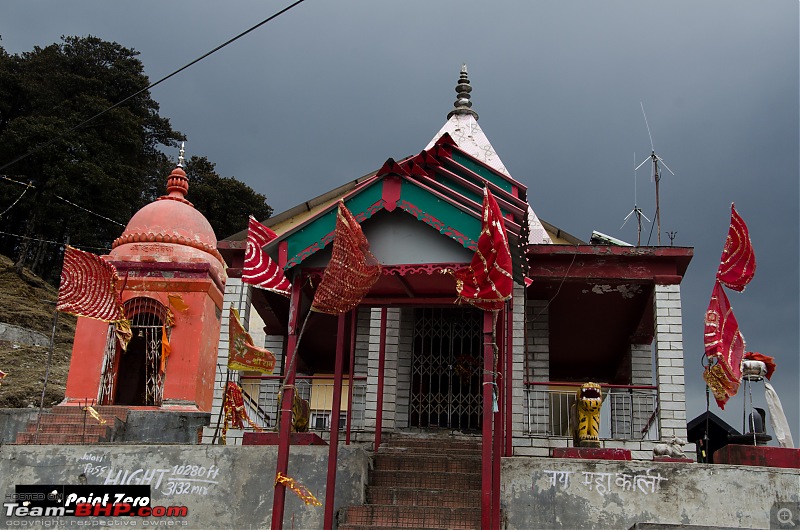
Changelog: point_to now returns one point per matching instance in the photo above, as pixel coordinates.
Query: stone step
(402, 461)
(377, 515)
(424, 497)
(105, 411)
(427, 480)
(349, 526)
(434, 444)
(49, 438)
(70, 428)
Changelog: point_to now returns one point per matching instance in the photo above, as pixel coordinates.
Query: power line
(179, 70)
(28, 186)
(60, 243)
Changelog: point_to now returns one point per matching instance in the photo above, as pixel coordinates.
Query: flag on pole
(88, 287)
(724, 343)
(352, 270)
(242, 353)
(737, 265)
(259, 269)
(487, 282)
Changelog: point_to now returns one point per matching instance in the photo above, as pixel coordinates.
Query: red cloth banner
(235, 413)
(88, 287)
(738, 262)
(352, 270)
(242, 353)
(725, 343)
(487, 282)
(259, 269)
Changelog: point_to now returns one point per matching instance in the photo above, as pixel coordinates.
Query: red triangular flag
(259, 269)
(242, 353)
(352, 271)
(88, 287)
(725, 343)
(738, 262)
(487, 282)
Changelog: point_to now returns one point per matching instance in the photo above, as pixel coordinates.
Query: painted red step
(430, 463)
(426, 480)
(424, 497)
(412, 517)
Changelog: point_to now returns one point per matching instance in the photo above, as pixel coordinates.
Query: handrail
(602, 385)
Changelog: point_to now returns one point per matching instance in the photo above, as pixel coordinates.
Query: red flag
(259, 269)
(352, 270)
(242, 353)
(738, 262)
(725, 343)
(487, 282)
(89, 287)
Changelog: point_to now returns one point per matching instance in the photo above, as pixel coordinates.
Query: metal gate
(446, 369)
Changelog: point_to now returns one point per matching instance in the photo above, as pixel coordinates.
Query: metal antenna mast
(636, 211)
(656, 173)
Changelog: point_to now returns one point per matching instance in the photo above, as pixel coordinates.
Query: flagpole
(285, 414)
(49, 363)
(46, 375)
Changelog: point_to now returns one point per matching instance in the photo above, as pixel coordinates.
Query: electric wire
(152, 85)
(60, 243)
(16, 201)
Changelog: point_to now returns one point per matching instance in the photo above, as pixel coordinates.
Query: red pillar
(381, 364)
(486, 455)
(336, 406)
(508, 378)
(279, 495)
(498, 422)
(353, 324)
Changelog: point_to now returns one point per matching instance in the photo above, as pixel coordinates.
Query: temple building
(603, 312)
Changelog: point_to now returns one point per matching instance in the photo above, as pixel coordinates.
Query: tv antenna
(655, 159)
(636, 211)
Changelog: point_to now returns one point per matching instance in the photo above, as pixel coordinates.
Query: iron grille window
(446, 369)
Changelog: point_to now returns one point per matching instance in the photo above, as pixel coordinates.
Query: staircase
(421, 483)
(72, 425)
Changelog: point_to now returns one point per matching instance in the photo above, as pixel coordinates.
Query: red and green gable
(441, 186)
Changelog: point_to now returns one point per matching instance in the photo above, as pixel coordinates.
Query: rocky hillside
(29, 302)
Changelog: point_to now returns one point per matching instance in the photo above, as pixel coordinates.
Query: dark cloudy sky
(327, 92)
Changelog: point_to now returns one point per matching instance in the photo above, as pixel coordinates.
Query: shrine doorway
(134, 376)
(446, 369)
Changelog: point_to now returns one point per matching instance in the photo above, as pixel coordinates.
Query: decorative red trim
(391, 192)
(283, 253)
(166, 238)
(390, 167)
(430, 220)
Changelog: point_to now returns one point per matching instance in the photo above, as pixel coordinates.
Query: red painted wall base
(271, 438)
(748, 455)
(598, 453)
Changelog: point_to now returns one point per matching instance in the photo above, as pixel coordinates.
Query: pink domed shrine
(171, 283)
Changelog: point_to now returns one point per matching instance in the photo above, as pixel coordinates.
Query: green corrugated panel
(482, 171)
(316, 230)
(455, 186)
(443, 212)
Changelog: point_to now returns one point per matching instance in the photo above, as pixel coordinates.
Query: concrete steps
(423, 483)
(67, 424)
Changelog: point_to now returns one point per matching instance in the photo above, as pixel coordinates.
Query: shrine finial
(463, 104)
(181, 160)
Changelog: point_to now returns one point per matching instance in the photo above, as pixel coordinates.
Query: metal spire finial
(181, 160)
(463, 104)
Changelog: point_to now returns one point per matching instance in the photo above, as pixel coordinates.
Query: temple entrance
(134, 376)
(446, 369)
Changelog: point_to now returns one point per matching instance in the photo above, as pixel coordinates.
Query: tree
(224, 201)
(113, 165)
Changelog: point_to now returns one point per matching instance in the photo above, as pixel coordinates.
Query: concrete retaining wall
(566, 493)
(223, 487)
(13, 421)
